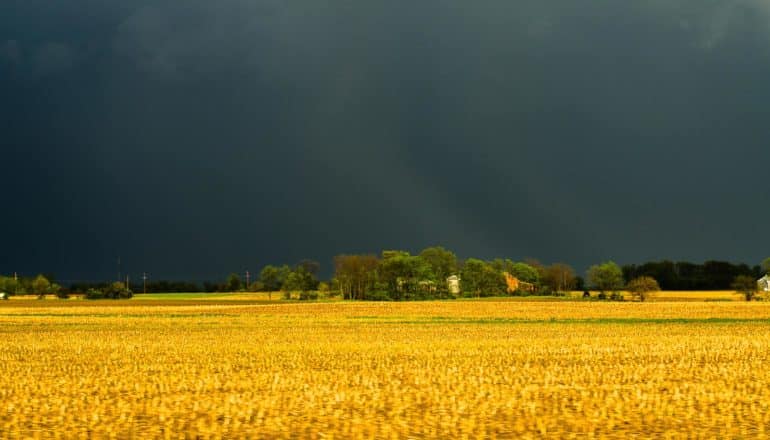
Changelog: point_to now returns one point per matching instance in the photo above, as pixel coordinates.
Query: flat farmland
(495, 369)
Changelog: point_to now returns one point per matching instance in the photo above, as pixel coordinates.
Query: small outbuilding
(453, 284)
(764, 283)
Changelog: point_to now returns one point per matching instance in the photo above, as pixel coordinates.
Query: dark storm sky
(195, 138)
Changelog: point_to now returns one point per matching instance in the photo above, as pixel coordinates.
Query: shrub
(643, 287)
(117, 290)
(308, 295)
(746, 286)
(601, 296)
(94, 294)
(324, 290)
(378, 295)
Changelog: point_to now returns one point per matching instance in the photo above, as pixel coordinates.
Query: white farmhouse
(453, 283)
(764, 283)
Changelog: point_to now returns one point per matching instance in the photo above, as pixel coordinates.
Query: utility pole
(144, 282)
(128, 286)
(247, 281)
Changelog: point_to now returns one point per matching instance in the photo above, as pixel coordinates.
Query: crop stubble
(388, 370)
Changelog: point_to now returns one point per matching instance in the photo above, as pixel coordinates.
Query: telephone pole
(247, 281)
(144, 282)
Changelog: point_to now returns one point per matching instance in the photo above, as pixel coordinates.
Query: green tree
(403, 273)
(233, 283)
(40, 286)
(606, 277)
(273, 277)
(745, 285)
(442, 262)
(480, 278)
(269, 278)
(295, 282)
(309, 276)
(300, 280)
(643, 287)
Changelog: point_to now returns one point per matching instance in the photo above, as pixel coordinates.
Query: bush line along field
(276, 297)
(496, 369)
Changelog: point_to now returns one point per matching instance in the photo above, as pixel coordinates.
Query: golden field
(454, 369)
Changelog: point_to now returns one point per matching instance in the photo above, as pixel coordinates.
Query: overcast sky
(196, 138)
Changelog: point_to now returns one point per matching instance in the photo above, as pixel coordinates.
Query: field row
(507, 310)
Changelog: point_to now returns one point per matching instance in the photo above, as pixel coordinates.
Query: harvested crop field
(386, 370)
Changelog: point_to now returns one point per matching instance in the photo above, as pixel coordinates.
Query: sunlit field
(453, 369)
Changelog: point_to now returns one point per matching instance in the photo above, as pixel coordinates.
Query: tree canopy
(606, 277)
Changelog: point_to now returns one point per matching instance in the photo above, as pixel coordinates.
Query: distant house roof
(764, 283)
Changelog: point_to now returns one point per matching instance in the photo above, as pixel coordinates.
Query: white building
(453, 283)
(764, 283)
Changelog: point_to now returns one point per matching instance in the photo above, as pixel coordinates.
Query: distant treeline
(682, 275)
(399, 275)
(161, 286)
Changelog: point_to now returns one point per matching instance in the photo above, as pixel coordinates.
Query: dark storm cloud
(196, 138)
